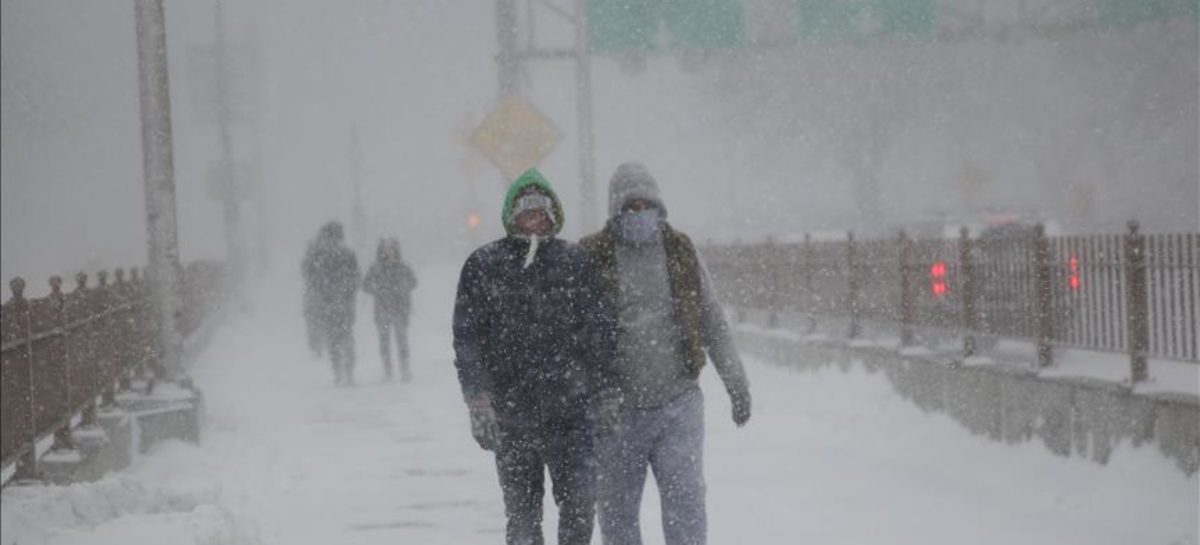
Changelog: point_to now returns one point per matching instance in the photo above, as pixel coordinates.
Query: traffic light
(937, 279)
(1073, 273)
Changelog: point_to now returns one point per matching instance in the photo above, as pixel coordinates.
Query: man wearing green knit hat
(533, 340)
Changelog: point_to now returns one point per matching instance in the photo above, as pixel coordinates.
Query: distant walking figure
(391, 281)
(332, 270)
(312, 321)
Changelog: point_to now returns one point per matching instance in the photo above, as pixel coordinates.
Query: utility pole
(261, 250)
(508, 61)
(583, 102)
(158, 172)
(358, 217)
(231, 190)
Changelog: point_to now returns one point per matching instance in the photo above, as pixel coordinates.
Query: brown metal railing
(65, 353)
(1132, 293)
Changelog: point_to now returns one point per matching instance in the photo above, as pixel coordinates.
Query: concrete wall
(1071, 417)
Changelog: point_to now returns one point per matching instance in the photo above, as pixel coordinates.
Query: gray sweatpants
(670, 442)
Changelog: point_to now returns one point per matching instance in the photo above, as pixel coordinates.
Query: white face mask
(640, 226)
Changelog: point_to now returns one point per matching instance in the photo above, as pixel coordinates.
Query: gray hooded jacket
(651, 365)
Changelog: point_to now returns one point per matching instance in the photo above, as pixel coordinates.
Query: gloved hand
(608, 412)
(484, 426)
(739, 398)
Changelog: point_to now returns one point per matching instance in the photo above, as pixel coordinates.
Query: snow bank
(837, 456)
(144, 506)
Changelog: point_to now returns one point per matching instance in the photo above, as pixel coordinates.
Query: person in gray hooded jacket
(669, 323)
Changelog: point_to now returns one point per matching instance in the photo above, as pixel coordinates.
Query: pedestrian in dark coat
(312, 321)
(333, 270)
(391, 281)
(532, 339)
(670, 323)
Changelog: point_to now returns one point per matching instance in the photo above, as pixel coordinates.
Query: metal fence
(65, 353)
(1131, 293)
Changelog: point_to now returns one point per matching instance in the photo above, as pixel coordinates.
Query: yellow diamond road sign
(515, 137)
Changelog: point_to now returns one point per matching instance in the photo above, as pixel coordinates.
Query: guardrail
(1132, 293)
(66, 353)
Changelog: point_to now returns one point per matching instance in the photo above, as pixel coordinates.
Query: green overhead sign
(639, 25)
(846, 19)
(1128, 13)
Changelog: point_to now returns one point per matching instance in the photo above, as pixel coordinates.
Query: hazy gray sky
(1088, 128)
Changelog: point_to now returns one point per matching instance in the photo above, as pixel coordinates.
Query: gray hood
(632, 181)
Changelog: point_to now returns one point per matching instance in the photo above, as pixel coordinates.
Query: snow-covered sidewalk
(829, 457)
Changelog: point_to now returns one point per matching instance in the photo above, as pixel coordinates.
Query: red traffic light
(1073, 273)
(938, 270)
(937, 279)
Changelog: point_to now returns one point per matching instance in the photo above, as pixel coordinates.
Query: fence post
(1043, 298)
(806, 266)
(88, 363)
(62, 435)
(906, 302)
(771, 260)
(966, 271)
(122, 354)
(26, 469)
(1137, 323)
(145, 332)
(808, 299)
(60, 321)
(852, 284)
(108, 344)
(740, 296)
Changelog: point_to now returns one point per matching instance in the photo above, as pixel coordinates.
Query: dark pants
(522, 459)
(312, 322)
(389, 322)
(338, 328)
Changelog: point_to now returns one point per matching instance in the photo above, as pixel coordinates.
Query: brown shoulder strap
(683, 266)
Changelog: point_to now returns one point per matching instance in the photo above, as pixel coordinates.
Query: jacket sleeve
(718, 337)
(600, 333)
(410, 277)
(354, 279)
(470, 327)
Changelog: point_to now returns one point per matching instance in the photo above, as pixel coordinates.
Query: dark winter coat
(332, 275)
(535, 335)
(391, 282)
(536, 339)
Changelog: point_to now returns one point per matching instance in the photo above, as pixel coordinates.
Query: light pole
(158, 171)
(510, 64)
(231, 189)
(358, 215)
(583, 102)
